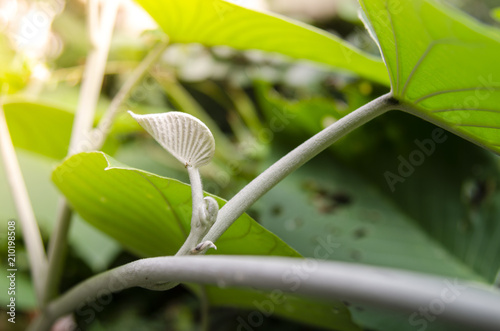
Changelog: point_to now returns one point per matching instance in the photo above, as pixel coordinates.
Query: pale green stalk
(29, 227)
(91, 87)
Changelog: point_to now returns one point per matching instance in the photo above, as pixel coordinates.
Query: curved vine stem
(404, 291)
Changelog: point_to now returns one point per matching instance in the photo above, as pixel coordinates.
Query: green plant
(426, 49)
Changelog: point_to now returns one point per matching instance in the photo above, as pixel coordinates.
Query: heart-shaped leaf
(221, 23)
(443, 65)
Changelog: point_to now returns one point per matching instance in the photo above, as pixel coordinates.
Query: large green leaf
(443, 65)
(217, 22)
(150, 215)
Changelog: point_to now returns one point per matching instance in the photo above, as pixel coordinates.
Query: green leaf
(45, 128)
(325, 202)
(458, 206)
(443, 65)
(264, 304)
(217, 22)
(495, 13)
(150, 215)
(39, 128)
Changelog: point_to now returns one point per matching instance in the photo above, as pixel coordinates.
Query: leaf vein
(462, 109)
(398, 72)
(177, 219)
(421, 59)
(433, 94)
(480, 126)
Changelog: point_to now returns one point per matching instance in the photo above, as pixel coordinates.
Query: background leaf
(217, 23)
(45, 128)
(443, 65)
(150, 215)
(495, 13)
(325, 203)
(39, 128)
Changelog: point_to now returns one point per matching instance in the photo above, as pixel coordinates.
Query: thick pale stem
(29, 226)
(293, 160)
(83, 122)
(472, 306)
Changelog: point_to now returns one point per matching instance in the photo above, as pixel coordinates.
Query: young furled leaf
(183, 135)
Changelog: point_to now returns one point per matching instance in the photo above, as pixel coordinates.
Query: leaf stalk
(235, 207)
